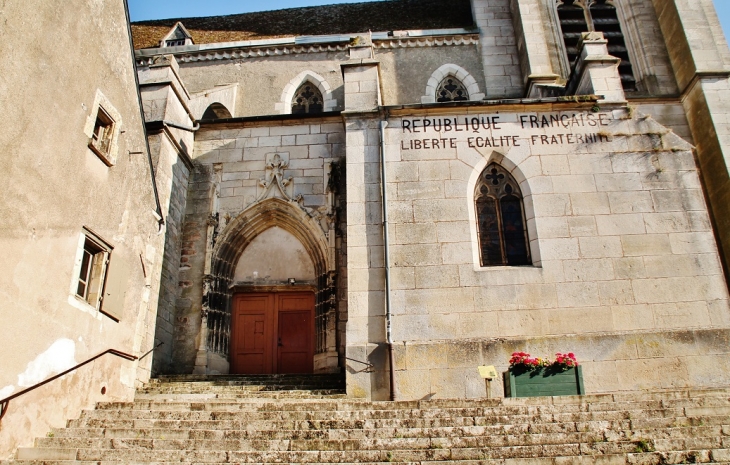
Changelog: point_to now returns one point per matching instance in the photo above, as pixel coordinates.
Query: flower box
(543, 381)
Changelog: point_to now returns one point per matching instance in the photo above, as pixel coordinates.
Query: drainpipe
(388, 323)
(172, 124)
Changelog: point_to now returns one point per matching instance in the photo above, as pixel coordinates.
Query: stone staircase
(295, 419)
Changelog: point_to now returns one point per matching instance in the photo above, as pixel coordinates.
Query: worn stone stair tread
(102, 417)
(408, 456)
(235, 425)
(242, 423)
(533, 431)
(613, 459)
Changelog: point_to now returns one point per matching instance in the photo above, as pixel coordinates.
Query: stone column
(701, 61)
(534, 47)
(596, 72)
(164, 100)
(367, 369)
(498, 49)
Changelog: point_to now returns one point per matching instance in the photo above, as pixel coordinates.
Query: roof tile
(389, 15)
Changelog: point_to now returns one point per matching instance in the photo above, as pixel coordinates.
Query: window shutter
(115, 288)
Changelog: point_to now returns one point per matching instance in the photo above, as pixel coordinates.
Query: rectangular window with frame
(101, 137)
(92, 272)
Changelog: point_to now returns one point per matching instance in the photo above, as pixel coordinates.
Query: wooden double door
(272, 332)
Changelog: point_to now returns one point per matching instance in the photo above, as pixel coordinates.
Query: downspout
(388, 322)
(158, 212)
(172, 124)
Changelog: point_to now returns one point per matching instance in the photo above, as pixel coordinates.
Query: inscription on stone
(505, 130)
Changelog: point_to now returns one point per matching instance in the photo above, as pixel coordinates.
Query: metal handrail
(369, 367)
(6, 401)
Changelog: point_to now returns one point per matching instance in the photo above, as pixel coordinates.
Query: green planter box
(545, 381)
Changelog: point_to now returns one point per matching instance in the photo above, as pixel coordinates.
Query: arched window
(451, 90)
(500, 219)
(600, 16)
(307, 99)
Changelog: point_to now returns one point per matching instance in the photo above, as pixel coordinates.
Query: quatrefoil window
(451, 90)
(307, 99)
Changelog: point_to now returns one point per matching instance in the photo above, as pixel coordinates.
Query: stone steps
(226, 420)
(567, 453)
(483, 433)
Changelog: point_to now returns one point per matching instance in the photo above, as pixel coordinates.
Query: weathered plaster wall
(54, 185)
(262, 81)
(404, 72)
(275, 255)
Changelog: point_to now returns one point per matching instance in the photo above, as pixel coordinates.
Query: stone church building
(398, 191)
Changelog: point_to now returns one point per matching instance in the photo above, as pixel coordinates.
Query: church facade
(398, 191)
(408, 203)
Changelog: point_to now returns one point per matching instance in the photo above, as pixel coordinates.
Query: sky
(160, 9)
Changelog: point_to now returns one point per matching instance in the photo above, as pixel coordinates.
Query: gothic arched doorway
(272, 311)
(271, 276)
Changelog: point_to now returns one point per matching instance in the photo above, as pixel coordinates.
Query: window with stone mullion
(500, 219)
(307, 99)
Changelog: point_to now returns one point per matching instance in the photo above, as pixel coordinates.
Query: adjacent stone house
(82, 224)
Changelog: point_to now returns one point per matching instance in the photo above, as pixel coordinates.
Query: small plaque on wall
(487, 372)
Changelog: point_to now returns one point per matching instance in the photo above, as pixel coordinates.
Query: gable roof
(178, 31)
(352, 18)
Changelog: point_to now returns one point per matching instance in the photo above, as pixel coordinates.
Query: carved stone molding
(246, 52)
(275, 166)
(441, 41)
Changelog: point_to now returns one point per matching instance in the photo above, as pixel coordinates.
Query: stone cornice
(424, 41)
(245, 52)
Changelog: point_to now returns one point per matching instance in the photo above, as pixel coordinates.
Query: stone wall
(405, 72)
(234, 173)
(261, 83)
(701, 62)
(622, 250)
(498, 45)
(172, 176)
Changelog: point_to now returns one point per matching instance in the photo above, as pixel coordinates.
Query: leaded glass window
(500, 219)
(308, 99)
(451, 90)
(600, 16)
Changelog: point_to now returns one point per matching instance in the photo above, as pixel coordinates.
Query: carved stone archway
(218, 284)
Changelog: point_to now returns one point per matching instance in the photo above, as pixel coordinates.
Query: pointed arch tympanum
(231, 243)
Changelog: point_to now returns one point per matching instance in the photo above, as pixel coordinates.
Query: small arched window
(600, 16)
(500, 219)
(307, 99)
(451, 90)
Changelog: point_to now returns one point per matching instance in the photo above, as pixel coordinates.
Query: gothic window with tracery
(500, 219)
(307, 99)
(601, 15)
(451, 90)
